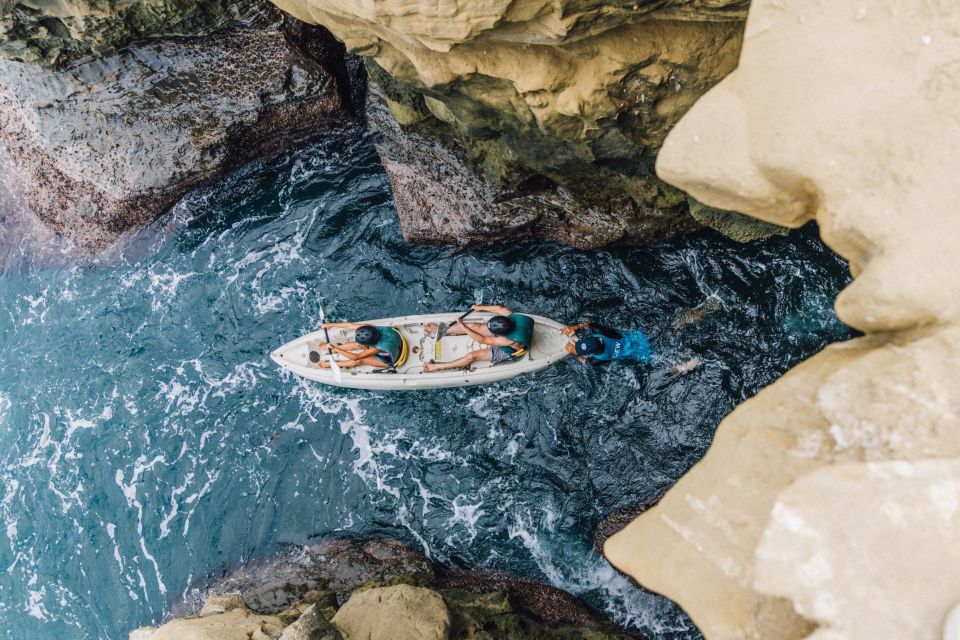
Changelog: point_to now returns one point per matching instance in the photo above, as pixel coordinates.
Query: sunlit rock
(843, 112)
(867, 550)
(401, 612)
(533, 119)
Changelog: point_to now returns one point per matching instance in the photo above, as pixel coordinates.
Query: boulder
(107, 145)
(223, 619)
(400, 612)
(311, 625)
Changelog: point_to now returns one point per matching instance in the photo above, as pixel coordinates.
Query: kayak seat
(404, 352)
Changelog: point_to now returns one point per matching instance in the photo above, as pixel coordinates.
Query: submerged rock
(107, 145)
(529, 120)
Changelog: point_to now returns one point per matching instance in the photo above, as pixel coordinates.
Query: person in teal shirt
(597, 343)
(507, 335)
(380, 347)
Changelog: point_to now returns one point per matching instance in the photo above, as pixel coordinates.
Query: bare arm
(366, 353)
(573, 328)
(349, 350)
(492, 308)
(341, 325)
(493, 341)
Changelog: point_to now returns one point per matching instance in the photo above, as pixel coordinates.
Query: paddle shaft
(326, 334)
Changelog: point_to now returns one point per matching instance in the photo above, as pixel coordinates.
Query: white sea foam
(163, 287)
(130, 493)
(467, 514)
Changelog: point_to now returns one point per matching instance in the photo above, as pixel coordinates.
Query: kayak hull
(548, 347)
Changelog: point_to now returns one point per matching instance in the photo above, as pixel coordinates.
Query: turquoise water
(148, 442)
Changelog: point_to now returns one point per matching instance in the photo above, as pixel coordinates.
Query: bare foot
(428, 367)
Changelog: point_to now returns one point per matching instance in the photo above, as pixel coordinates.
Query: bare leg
(349, 346)
(479, 355)
(348, 364)
(479, 327)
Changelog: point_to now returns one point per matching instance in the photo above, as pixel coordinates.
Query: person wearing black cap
(380, 347)
(507, 335)
(598, 343)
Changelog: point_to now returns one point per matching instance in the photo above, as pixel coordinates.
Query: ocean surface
(147, 441)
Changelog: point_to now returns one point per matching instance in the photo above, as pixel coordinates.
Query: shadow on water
(149, 441)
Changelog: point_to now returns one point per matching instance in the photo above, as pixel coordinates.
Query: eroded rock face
(533, 119)
(54, 33)
(108, 145)
(839, 111)
(860, 575)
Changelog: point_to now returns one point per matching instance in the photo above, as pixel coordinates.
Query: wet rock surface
(107, 145)
(323, 577)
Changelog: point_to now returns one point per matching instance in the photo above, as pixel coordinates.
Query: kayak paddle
(333, 362)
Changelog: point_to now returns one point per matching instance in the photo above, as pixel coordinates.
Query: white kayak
(548, 347)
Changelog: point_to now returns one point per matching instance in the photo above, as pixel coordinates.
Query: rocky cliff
(827, 506)
(508, 120)
(108, 142)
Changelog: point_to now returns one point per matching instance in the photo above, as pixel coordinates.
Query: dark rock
(441, 198)
(735, 226)
(325, 575)
(544, 604)
(108, 145)
(319, 47)
(477, 616)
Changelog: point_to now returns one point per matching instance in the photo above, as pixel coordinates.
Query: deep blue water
(147, 441)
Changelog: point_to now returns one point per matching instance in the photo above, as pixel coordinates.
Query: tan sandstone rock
(222, 618)
(841, 111)
(867, 550)
(556, 109)
(401, 612)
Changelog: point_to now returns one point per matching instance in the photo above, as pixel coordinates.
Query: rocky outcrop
(107, 145)
(55, 33)
(326, 592)
(526, 119)
(827, 505)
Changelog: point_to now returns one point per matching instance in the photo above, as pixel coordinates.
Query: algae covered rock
(54, 33)
(400, 612)
(522, 119)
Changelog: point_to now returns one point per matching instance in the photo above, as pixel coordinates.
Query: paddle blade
(337, 374)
